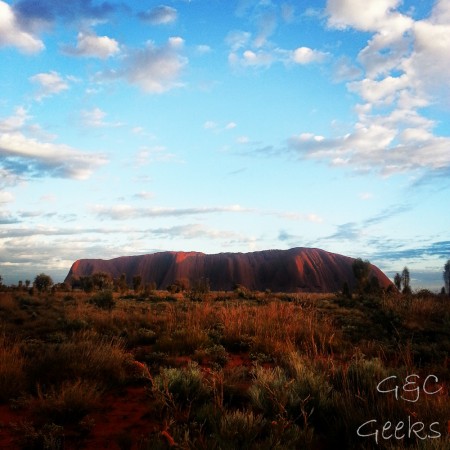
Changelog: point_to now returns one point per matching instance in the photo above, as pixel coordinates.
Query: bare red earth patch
(7, 418)
(125, 418)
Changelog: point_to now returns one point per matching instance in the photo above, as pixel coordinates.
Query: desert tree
(85, 282)
(446, 276)
(102, 280)
(137, 282)
(361, 271)
(406, 278)
(42, 282)
(121, 283)
(346, 290)
(398, 281)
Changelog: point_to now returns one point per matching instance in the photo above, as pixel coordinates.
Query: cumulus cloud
(13, 33)
(160, 15)
(49, 83)
(306, 55)
(21, 154)
(91, 45)
(6, 197)
(378, 144)
(265, 56)
(14, 122)
(153, 69)
(404, 68)
(365, 16)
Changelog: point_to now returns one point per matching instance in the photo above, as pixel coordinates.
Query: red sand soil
(124, 418)
(8, 417)
(127, 415)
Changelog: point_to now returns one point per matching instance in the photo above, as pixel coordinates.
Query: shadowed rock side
(294, 270)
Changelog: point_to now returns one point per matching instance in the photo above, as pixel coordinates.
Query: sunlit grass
(264, 371)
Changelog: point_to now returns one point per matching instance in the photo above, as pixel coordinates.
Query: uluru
(295, 270)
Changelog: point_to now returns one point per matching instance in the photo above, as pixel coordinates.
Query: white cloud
(160, 15)
(156, 154)
(365, 16)
(237, 39)
(194, 231)
(21, 154)
(202, 49)
(91, 45)
(230, 125)
(144, 195)
(49, 83)
(154, 69)
(6, 197)
(345, 70)
(266, 57)
(47, 158)
(384, 144)
(12, 34)
(384, 91)
(124, 211)
(306, 55)
(405, 66)
(14, 122)
(267, 23)
(93, 118)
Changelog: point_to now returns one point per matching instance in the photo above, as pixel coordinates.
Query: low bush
(66, 403)
(104, 300)
(179, 389)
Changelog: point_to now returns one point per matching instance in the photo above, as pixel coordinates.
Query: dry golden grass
(12, 369)
(275, 370)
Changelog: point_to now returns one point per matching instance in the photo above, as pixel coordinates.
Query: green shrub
(180, 388)
(104, 300)
(239, 429)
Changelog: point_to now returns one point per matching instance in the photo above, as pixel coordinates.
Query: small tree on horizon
(361, 270)
(398, 281)
(406, 278)
(42, 282)
(102, 280)
(122, 285)
(137, 282)
(446, 276)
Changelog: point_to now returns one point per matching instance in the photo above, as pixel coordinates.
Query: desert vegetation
(111, 366)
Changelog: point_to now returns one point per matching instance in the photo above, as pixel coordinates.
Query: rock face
(294, 270)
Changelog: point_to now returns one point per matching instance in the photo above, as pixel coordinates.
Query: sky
(224, 126)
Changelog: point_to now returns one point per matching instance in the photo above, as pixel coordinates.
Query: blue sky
(216, 126)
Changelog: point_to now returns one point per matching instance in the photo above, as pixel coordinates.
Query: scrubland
(223, 370)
